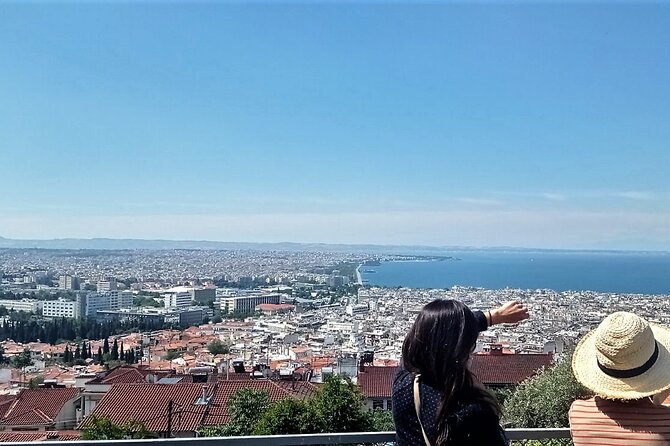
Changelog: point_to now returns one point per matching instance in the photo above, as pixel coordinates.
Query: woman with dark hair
(437, 401)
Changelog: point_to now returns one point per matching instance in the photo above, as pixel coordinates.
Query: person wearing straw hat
(626, 363)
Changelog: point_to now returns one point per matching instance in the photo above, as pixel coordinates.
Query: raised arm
(509, 313)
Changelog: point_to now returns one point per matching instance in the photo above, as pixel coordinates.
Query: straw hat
(625, 358)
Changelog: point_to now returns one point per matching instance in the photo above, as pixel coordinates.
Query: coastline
(359, 276)
(617, 273)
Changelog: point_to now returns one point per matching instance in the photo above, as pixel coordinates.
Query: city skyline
(444, 124)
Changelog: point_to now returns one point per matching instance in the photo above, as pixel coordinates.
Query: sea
(613, 272)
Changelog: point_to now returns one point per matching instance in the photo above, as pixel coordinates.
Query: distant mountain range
(121, 244)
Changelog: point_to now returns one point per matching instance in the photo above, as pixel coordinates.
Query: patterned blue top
(473, 423)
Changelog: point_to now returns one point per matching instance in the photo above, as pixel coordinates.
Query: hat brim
(652, 382)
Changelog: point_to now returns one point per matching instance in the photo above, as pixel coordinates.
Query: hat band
(630, 373)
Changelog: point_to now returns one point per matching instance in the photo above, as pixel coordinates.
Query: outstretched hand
(509, 313)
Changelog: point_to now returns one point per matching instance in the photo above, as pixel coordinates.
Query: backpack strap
(417, 406)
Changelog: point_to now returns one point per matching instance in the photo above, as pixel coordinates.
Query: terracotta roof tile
(38, 406)
(218, 412)
(6, 437)
(377, 382)
(508, 369)
(6, 402)
(66, 435)
(148, 403)
(23, 437)
(128, 374)
(297, 389)
(232, 376)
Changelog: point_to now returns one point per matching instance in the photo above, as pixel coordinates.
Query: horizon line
(360, 245)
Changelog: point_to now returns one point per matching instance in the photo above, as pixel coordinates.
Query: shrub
(544, 400)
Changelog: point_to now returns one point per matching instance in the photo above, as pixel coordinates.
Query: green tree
(100, 356)
(544, 400)
(382, 420)
(3, 358)
(289, 416)
(36, 382)
(336, 407)
(340, 405)
(246, 407)
(146, 301)
(23, 359)
(115, 351)
(105, 347)
(104, 429)
(67, 355)
(169, 356)
(217, 347)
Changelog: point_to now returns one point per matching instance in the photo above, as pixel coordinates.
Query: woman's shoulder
(402, 378)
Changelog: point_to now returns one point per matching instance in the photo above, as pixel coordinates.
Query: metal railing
(518, 437)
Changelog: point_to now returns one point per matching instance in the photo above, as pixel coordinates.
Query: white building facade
(60, 308)
(246, 303)
(27, 305)
(180, 299)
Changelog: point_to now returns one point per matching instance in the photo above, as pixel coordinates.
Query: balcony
(518, 437)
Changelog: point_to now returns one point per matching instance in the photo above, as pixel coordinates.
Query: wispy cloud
(553, 196)
(480, 201)
(582, 194)
(640, 196)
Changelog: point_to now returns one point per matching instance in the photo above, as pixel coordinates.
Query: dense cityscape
(81, 320)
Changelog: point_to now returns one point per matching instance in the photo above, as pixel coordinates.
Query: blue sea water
(645, 273)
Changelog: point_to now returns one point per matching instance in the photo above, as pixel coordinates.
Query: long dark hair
(438, 346)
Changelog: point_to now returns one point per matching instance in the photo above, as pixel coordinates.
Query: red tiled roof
(297, 389)
(218, 412)
(23, 437)
(232, 376)
(377, 382)
(65, 435)
(128, 374)
(148, 403)
(508, 369)
(6, 402)
(38, 406)
(6, 437)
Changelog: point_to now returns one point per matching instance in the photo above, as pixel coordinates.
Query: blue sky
(519, 124)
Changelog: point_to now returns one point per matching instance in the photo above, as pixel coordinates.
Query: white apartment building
(246, 302)
(333, 326)
(67, 282)
(106, 285)
(180, 299)
(120, 299)
(60, 308)
(26, 305)
(110, 300)
(357, 309)
(198, 294)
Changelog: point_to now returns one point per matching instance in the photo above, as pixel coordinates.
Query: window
(377, 404)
